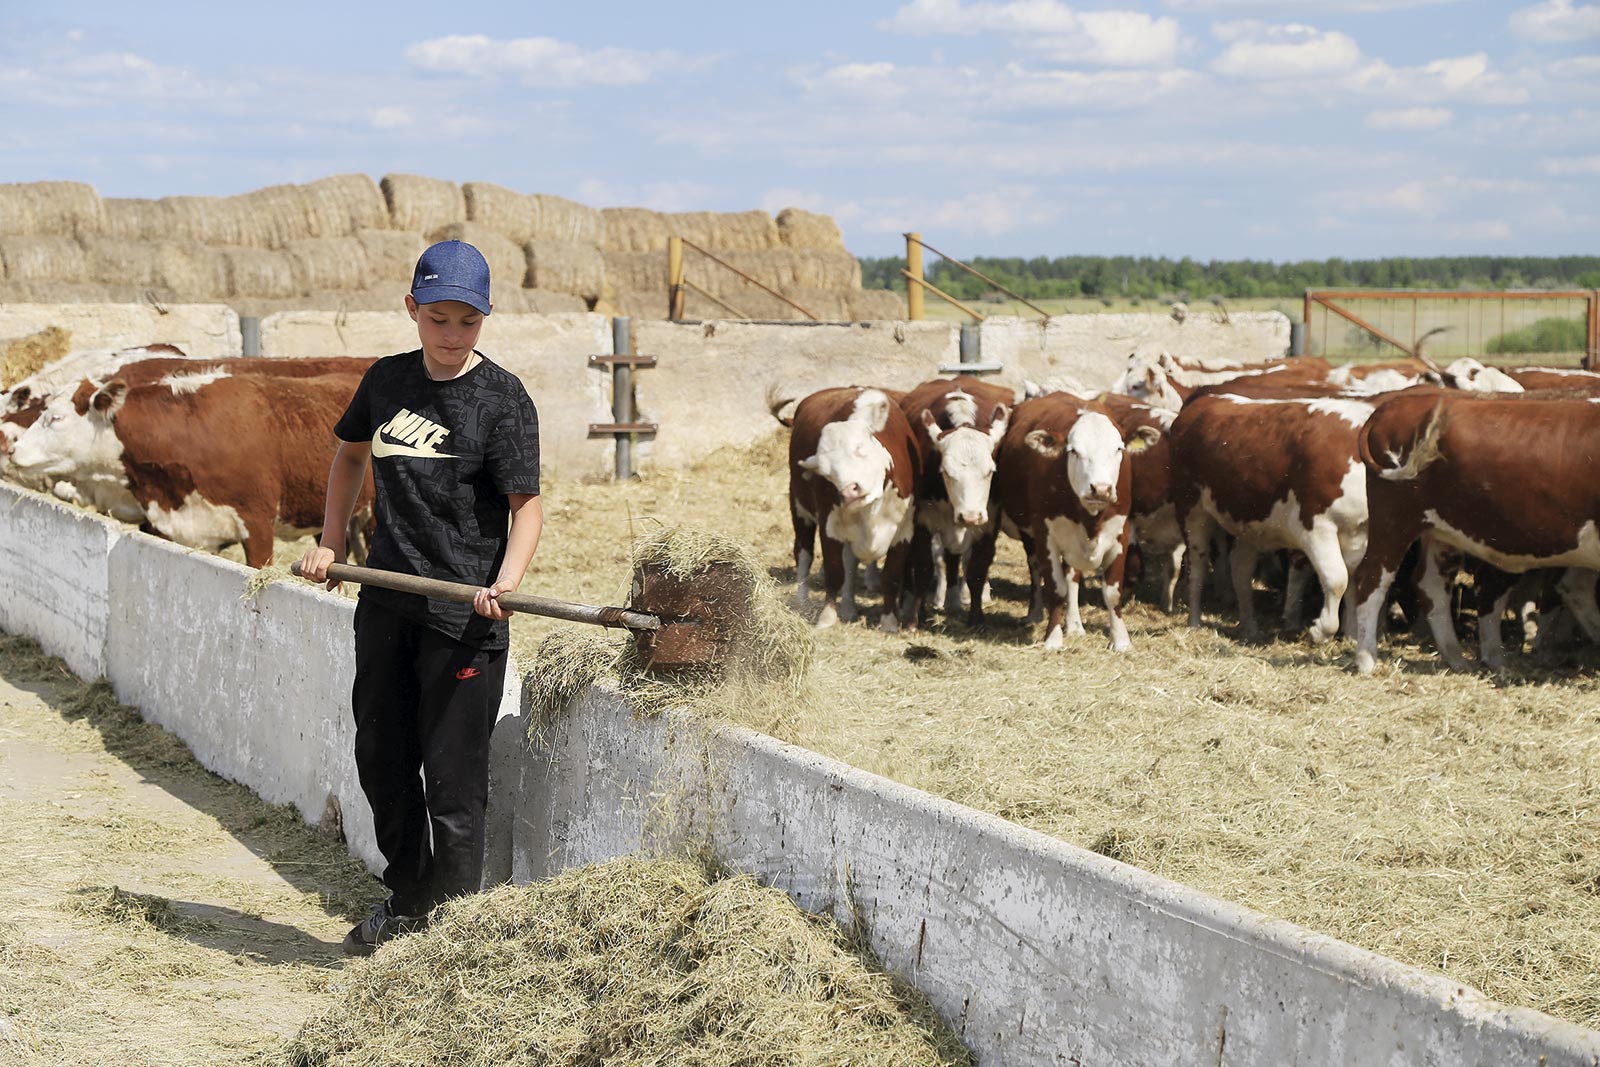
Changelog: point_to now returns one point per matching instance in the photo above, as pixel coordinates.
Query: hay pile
(346, 242)
(631, 962)
(24, 357)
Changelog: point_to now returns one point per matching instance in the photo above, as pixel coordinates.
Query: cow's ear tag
(1137, 444)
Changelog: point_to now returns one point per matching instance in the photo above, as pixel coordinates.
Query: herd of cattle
(1360, 473)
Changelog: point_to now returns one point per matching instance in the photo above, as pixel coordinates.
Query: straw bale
(642, 303)
(212, 220)
(742, 231)
(508, 263)
(329, 262)
(54, 292)
(635, 270)
(561, 219)
(341, 205)
(275, 216)
(633, 229)
(137, 220)
(372, 298)
(803, 229)
(391, 256)
(42, 257)
(422, 205)
(868, 305)
(781, 268)
(262, 272)
(505, 211)
(536, 302)
(630, 963)
(196, 273)
(566, 267)
(50, 208)
(23, 357)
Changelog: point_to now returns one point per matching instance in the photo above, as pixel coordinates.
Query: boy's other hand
(314, 566)
(486, 604)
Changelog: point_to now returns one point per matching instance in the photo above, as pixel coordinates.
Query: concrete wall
(206, 331)
(1039, 952)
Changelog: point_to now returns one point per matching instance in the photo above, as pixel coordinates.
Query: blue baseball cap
(452, 270)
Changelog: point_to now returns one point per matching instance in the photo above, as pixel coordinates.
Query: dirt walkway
(150, 912)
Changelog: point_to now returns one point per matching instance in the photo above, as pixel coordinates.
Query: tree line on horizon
(1164, 279)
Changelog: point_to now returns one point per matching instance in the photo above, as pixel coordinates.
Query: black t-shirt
(444, 457)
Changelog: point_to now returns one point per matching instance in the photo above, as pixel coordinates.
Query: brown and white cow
(1508, 479)
(853, 469)
(958, 423)
(1556, 378)
(1276, 473)
(1154, 512)
(1062, 484)
(204, 459)
(1154, 376)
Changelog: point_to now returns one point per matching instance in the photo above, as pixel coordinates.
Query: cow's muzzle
(973, 518)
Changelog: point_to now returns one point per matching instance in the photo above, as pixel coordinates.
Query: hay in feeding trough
(631, 962)
(26, 356)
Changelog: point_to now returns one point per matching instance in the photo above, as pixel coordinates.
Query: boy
(454, 445)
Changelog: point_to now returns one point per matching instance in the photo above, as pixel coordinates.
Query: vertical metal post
(914, 268)
(1307, 321)
(971, 342)
(622, 392)
(250, 335)
(675, 292)
(1297, 339)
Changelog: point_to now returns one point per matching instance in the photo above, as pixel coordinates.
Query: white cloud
(879, 80)
(1051, 28)
(1459, 77)
(1409, 118)
(541, 62)
(1323, 7)
(1412, 198)
(657, 196)
(390, 118)
(1258, 50)
(1556, 22)
(927, 17)
(985, 213)
(1574, 165)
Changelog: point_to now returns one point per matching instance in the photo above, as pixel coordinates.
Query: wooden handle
(461, 593)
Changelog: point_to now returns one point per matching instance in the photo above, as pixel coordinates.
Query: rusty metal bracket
(627, 361)
(606, 429)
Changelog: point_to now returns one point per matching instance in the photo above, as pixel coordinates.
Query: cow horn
(1416, 350)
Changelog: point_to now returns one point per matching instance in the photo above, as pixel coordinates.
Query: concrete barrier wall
(1039, 952)
(205, 331)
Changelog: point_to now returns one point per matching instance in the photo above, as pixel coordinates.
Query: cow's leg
(871, 579)
(1054, 573)
(1242, 565)
(1036, 579)
(1172, 568)
(917, 573)
(1492, 591)
(1327, 559)
(1112, 581)
(1294, 591)
(847, 594)
(1074, 622)
(891, 576)
(1433, 595)
(833, 573)
(805, 536)
(1197, 532)
(951, 577)
(1577, 593)
(1388, 543)
(1221, 553)
(978, 564)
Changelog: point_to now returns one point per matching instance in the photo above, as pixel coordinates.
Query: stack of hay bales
(349, 243)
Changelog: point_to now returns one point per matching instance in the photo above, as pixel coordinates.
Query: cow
(1471, 376)
(1155, 377)
(958, 423)
(1509, 480)
(204, 459)
(1556, 378)
(853, 469)
(1153, 512)
(1275, 472)
(1061, 484)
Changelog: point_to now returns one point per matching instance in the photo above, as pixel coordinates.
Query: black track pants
(424, 702)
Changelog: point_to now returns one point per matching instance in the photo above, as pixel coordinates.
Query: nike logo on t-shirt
(409, 434)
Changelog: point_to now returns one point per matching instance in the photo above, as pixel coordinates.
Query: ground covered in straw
(632, 962)
(1451, 822)
(151, 913)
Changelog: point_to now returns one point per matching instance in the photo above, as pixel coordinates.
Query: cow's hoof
(1123, 645)
(828, 617)
(1075, 629)
(1319, 633)
(1365, 661)
(890, 625)
(1052, 641)
(848, 613)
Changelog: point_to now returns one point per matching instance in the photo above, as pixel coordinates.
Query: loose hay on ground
(628, 962)
(23, 357)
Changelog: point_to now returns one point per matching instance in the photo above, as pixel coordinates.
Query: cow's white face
(1474, 377)
(850, 455)
(1094, 461)
(65, 445)
(966, 462)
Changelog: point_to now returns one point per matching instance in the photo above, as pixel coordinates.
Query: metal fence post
(913, 283)
(250, 335)
(1297, 338)
(622, 392)
(971, 352)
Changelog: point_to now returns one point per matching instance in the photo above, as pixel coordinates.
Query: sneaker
(382, 925)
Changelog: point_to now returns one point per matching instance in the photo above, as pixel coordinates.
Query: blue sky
(1216, 129)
